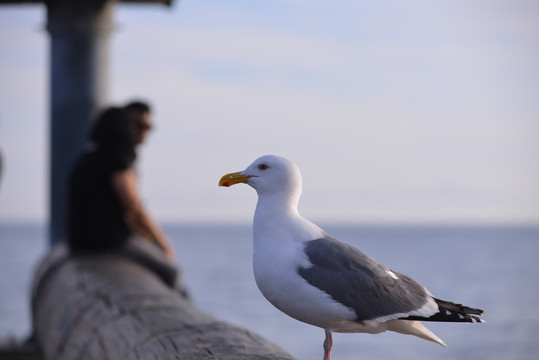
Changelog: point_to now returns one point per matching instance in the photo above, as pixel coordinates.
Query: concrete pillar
(79, 51)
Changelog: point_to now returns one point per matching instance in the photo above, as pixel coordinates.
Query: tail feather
(414, 328)
(451, 312)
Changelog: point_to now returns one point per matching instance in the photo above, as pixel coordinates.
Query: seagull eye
(262, 167)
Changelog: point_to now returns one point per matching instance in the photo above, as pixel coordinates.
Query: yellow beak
(234, 178)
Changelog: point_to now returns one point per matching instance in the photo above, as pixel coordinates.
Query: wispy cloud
(394, 111)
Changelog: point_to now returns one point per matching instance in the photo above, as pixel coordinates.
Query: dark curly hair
(112, 133)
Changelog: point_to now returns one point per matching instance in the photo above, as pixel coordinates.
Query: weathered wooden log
(107, 307)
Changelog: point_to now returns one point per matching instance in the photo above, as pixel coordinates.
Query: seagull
(316, 279)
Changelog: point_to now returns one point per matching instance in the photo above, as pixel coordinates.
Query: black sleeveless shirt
(95, 216)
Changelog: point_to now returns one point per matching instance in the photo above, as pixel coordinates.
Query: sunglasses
(143, 126)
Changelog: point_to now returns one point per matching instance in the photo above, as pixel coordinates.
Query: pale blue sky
(401, 111)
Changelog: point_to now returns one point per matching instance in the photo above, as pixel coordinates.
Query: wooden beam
(106, 307)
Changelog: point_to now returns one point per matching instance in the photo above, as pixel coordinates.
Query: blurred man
(105, 213)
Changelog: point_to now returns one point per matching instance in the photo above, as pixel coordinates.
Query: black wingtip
(452, 312)
(459, 308)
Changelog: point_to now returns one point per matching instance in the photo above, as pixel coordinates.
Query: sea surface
(493, 268)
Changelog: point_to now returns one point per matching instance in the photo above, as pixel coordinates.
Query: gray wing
(357, 281)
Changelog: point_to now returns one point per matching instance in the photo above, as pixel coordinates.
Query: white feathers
(414, 328)
(280, 233)
(392, 274)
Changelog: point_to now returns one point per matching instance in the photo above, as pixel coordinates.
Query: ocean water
(493, 268)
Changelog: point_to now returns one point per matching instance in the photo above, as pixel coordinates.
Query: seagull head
(269, 175)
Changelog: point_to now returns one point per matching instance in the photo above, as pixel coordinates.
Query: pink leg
(328, 343)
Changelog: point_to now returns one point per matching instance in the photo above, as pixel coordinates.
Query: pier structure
(79, 33)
